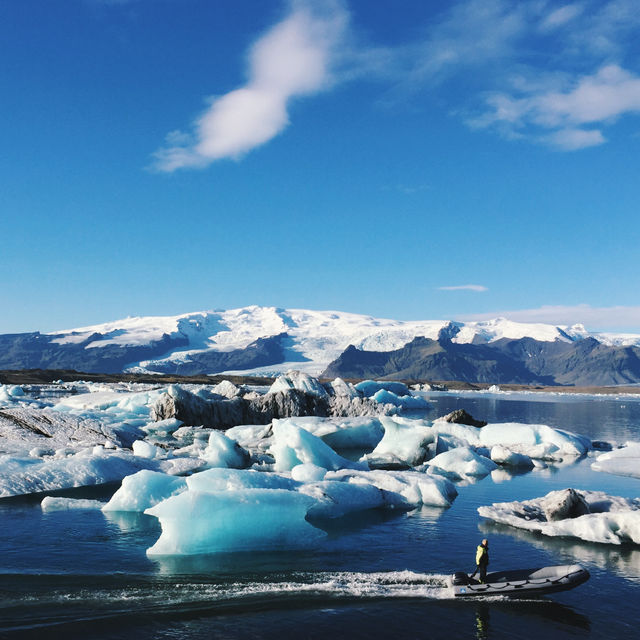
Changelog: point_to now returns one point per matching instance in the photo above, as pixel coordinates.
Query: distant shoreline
(48, 376)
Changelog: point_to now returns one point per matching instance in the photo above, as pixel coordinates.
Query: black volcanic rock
(460, 416)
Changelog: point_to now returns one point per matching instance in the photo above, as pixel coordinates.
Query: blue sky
(414, 160)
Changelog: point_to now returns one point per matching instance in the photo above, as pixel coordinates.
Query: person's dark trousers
(482, 568)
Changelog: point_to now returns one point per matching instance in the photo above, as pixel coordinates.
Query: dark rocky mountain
(260, 353)
(41, 351)
(524, 361)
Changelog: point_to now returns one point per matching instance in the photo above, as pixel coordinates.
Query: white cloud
(562, 16)
(594, 318)
(557, 117)
(464, 287)
(294, 58)
(573, 139)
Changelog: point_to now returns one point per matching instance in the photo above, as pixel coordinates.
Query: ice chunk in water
(622, 462)
(144, 449)
(613, 520)
(403, 443)
(225, 452)
(298, 380)
(461, 462)
(245, 520)
(293, 445)
(50, 503)
(143, 490)
(502, 455)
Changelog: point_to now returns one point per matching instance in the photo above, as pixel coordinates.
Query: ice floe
(51, 503)
(623, 462)
(85, 468)
(592, 516)
(461, 463)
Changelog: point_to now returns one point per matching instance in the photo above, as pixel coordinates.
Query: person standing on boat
(482, 560)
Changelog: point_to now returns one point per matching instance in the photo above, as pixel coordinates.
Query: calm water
(85, 574)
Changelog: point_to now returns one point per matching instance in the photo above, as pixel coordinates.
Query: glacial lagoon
(379, 573)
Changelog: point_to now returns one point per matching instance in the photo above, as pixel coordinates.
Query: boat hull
(522, 582)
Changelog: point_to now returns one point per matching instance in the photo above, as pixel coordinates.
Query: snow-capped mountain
(258, 340)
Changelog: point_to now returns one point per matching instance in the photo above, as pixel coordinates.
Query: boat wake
(61, 600)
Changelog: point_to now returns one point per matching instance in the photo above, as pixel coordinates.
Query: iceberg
(370, 387)
(383, 396)
(243, 520)
(222, 451)
(405, 489)
(298, 380)
(609, 519)
(505, 457)
(293, 445)
(623, 462)
(143, 490)
(49, 503)
(144, 449)
(95, 466)
(403, 443)
(342, 433)
(335, 499)
(538, 441)
(461, 463)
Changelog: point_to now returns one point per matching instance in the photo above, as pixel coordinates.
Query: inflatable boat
(521, 582)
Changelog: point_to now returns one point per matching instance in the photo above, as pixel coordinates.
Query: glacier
(316, 337)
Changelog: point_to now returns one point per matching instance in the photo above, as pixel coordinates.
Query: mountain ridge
(258, 340)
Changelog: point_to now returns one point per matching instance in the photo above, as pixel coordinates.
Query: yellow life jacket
(482, 555)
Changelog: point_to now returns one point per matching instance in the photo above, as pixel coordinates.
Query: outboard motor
(460, 577)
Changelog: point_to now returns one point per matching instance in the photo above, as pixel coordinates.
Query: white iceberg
(461, 462)
(298, 380)
(508, 458)
(19, 476)
(335, 498)
(50, 503)
(406, 489)
(293, 445)
(144, 449)
(404, 443)
(222, 451)
(247, 520)
(611, 519)
(538, 441)
(623, 462)
(404, 402)
(143, 490)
